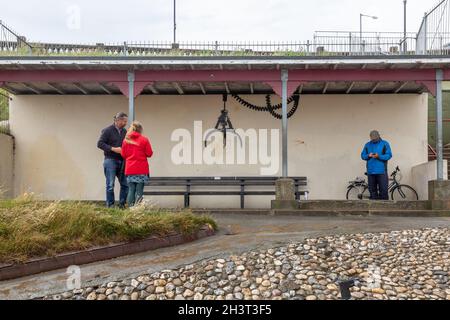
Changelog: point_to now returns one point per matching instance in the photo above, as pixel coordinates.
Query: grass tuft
(31, 228)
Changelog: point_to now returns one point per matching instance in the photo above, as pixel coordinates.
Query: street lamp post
(174, 23)
(361, 16)
(405, 47)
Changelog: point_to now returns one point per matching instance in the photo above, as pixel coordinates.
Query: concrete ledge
(284, 204)
(35, 266)
(363, 205)
(439, 190)
(328, 213)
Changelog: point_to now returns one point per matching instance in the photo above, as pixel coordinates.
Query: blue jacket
(377, 166)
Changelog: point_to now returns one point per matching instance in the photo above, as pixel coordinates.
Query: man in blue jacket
(377, 152)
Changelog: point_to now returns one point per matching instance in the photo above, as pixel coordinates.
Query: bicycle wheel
(357, 193)
(404, 192)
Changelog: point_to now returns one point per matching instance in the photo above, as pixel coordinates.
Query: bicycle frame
(394, 184)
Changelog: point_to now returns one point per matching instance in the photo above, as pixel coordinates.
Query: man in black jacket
(110, 142)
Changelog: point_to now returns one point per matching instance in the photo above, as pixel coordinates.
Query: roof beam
(350, 87)
(153, 89)
(374, 88)
(364, 75)
(63, 76)
(325, 88)
(104, 88)
(81, 88)
(178, 87)
(313, 75)
(32, 88)
(400, 87)
(227, 88)
(54, 87)
(202, 87)
(9, 89)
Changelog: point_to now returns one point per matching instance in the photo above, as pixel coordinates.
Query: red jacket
(136, 155)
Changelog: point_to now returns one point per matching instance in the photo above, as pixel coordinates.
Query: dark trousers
(378, 186)
(114, 169)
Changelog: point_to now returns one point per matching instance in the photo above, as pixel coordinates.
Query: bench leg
(186, 201)
(242, 195)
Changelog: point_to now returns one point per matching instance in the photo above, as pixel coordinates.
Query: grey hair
(375, 133)
(120, 115)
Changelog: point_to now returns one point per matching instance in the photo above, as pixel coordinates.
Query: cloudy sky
(91, 21)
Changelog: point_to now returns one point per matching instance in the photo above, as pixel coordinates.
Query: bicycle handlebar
(395, 172)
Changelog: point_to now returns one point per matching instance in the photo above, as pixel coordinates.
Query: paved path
(237, 233)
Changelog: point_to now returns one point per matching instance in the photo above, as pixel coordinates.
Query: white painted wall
(56, 154)
(423, 173)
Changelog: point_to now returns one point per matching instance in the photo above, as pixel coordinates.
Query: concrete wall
(56, 136)
(6, 166)
(423, 173)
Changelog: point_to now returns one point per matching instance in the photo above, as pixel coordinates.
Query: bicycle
(358, 189)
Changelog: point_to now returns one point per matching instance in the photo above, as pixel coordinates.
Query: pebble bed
(399, 265)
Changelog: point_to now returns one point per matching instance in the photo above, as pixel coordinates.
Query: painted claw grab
(223, 125)
(232, 131)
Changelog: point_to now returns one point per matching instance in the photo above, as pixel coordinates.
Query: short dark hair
(120, 115)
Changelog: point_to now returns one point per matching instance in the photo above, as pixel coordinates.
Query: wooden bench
(207, 186)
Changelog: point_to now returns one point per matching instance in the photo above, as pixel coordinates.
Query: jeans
(378, 186)
(135, 193)
(114, 168)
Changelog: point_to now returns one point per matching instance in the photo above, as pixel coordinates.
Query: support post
(284, 187)
(439, 125)
(131, 116)
(284, 85)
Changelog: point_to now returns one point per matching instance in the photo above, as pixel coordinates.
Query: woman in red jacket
(136, 148)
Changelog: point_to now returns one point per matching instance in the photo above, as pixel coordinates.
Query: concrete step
(362, 205)
(329, 213)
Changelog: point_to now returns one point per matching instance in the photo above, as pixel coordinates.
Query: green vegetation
(4, 105)
(32, 228)
(432, 116)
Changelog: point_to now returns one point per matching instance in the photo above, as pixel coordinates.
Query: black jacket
(109, 138)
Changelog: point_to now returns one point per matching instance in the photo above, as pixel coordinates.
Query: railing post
(425, 46)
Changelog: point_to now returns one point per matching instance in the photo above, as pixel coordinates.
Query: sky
(114, 21)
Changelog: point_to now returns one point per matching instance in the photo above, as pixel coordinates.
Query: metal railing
(434, 32)
(340, 45)
(324, 43)
(364, 43)
(11, 42)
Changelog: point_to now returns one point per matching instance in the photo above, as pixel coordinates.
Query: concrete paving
(237, 233)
